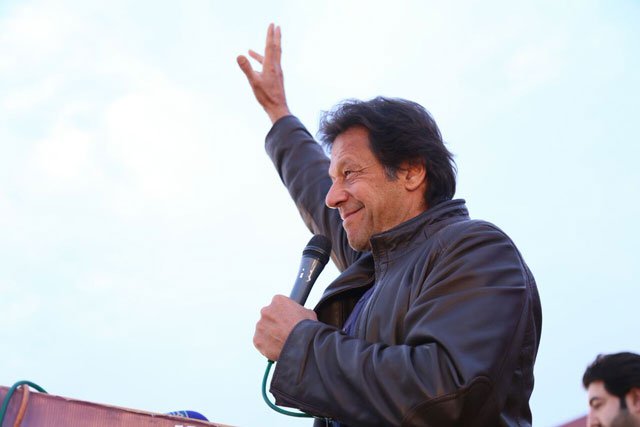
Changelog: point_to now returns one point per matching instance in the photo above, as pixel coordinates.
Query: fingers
(246, 67)
(267, 84)
(277, 45)
(277, 320)
(272, 48)
(269, 34)
(267, 339)
(256, 56)
(264, 343)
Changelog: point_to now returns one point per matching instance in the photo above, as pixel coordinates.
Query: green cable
(7, 398)
(266, 398)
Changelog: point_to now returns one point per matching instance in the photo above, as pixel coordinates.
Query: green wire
(266, 398)
(7, 398)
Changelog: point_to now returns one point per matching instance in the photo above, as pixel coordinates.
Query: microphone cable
(278, 409)
(314, 257)
(271, 404)
(7, 398)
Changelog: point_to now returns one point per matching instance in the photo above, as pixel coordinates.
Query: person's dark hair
(619, 372)
(399, 131)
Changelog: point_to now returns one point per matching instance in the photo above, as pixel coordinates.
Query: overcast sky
(142, 226)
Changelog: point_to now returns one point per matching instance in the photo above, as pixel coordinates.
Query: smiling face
(368, 200)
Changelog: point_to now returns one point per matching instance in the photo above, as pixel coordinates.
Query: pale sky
(142, 226)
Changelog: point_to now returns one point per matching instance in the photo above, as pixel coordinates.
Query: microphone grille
(318, 247)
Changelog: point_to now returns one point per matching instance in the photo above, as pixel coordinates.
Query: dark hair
(619, 372)
(399, 131)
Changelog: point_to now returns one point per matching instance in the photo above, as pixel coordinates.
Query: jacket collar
(396, 241)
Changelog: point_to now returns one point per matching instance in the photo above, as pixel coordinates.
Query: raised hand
(268, 85)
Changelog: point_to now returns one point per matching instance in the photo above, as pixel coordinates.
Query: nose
(591, 419)
(336, 195)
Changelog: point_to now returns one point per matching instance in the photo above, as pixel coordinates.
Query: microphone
(314, 257)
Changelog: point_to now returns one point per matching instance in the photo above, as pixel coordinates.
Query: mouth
(350, 213)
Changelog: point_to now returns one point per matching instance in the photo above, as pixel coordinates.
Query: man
(613, 388)
(435, 318)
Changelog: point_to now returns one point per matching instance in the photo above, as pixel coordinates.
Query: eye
(351, 172)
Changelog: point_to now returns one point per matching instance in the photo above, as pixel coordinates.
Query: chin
(359, 245)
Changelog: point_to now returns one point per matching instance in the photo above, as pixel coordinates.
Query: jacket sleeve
(461, 345)
(303, 168)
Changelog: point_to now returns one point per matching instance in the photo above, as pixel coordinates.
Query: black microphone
(314, 257)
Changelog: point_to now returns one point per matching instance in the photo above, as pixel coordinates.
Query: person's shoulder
(473, 230)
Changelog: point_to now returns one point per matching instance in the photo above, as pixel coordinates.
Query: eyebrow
(346, 162)
(593, 399)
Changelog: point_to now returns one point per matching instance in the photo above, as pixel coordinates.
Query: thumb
(245, 66)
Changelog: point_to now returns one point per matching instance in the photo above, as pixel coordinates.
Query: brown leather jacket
(449, 336)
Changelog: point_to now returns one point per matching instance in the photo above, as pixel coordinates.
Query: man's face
(368, 200)
(604, 409)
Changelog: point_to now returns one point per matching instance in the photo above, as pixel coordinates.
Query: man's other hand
(277, 320)
(268, 85)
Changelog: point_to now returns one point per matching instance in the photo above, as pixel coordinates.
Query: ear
(414, 175)
(633, 400)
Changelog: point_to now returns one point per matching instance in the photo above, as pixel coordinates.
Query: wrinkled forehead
(354, 142)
